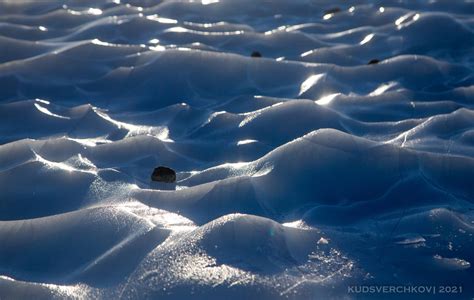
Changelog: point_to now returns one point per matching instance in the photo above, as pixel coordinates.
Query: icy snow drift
(299, 173)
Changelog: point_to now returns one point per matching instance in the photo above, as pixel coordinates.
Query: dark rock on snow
(256, 54)
(373, 62)
(163, 174)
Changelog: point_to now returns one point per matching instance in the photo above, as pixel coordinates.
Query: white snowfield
(301, 174)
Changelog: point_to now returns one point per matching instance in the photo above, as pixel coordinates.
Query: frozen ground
(300, 173)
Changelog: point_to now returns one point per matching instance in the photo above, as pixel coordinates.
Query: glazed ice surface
(299, 173)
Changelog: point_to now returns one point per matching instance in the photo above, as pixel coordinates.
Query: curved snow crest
(240, 255)
(320, 163)
(343, 155)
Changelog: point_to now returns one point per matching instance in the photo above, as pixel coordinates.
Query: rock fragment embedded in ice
(163, 174)
(373, 61)
(256, 54)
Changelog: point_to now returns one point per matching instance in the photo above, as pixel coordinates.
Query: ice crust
(299, 173)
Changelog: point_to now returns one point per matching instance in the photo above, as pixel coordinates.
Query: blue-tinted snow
(300, 174)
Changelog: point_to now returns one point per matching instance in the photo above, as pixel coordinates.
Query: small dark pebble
(163, 174)
(332, 11)
(256, 54)
(373, 62)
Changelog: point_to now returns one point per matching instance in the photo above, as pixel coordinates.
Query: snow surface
(300, 173)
